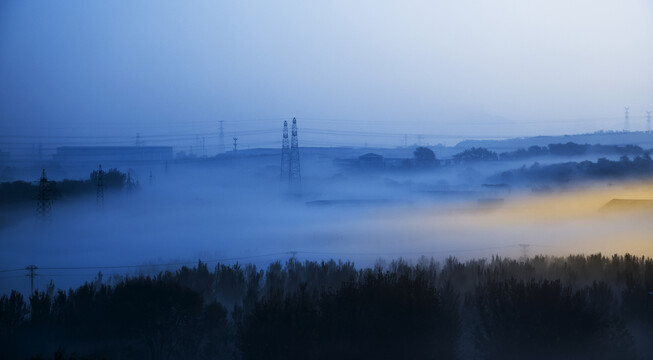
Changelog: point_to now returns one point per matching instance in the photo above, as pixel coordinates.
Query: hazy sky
(465, 68)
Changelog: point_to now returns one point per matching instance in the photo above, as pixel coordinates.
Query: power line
(290, 252)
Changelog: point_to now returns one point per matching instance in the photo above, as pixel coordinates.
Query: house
(371, 161)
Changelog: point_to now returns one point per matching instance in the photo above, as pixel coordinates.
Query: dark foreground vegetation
(579, 307)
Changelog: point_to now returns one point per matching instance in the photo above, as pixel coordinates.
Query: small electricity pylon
(44, 205)
(295, 175)
(626, 122)
(285, 154)
(31, 275)
(99, 199)
(130, 184)
(235, 144)
(524, 249)
(221, 138)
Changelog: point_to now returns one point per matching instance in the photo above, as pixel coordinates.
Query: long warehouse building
(113, 154)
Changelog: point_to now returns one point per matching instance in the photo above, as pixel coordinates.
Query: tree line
(576, 307)
(561, 150)
(624, 168)
(22, 192)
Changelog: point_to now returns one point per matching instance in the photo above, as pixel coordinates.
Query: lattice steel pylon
(44, 197)
(295, 175)
(130, 183)
(221, 148)
(99, 199)
(285, 154)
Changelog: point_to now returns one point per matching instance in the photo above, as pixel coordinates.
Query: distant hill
(643, 139)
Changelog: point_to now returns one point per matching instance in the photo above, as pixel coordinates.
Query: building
(371, 161)
(113, 155)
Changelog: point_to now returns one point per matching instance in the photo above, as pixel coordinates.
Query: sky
(79, 72)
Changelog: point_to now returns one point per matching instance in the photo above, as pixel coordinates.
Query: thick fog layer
(238, 210)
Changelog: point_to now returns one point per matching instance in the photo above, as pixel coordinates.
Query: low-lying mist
(246, 214)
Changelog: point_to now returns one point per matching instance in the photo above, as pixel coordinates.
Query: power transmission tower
(295, 175)
(626, 124)
(31, 275)
(648, 122)
(221, 138)
(99, 199)
(44, 205)
(285, 154)
(130, 184)
(524, 249)
(235, 144)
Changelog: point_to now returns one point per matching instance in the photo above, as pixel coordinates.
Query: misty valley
(236, 180)
(481, 251)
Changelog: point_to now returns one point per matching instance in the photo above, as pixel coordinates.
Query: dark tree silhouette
(476, 154)
(545, 320)
(537, 308)
(424, 156)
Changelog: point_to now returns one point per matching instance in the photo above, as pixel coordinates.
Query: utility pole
(285, 154)
(524, 249)
(648, 122)
(31, 275)
(129, 184)
(626, 124)
(44, 205)
(221, 138)
(99, 199)
(235, 144)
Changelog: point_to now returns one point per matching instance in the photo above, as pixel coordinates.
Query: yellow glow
(556, 223)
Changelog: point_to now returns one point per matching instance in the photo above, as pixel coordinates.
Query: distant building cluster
(375, 162)
(108, 154)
